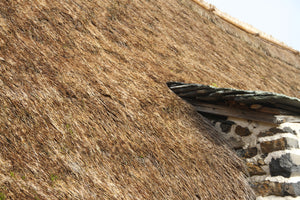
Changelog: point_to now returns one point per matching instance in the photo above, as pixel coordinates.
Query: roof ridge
(245, 26)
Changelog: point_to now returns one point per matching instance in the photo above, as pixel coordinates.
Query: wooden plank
(235, 112)
(289, 108)
(195, 93)
(183, 88)
(275, 111)
(245, 113)
(256, 106)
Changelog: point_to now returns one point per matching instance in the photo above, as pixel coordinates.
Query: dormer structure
(262, 127)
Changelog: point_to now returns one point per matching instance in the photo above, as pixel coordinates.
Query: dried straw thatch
(85, 112)
(244, 26)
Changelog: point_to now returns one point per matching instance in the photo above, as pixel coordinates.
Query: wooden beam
(275, 111)
(289, 108)
(244, 113)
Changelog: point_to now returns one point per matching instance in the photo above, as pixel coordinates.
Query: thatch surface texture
(85, 112)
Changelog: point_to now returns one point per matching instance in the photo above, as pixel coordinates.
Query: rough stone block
(250, 152)
(226, 126)
(295, 189)
(267, 188)
(289, 130)
(242, 131)
(255, 169)
(291, 189)
(279, 144)
(270, 132)
(274, 131)
(283, 166)
(247, 153)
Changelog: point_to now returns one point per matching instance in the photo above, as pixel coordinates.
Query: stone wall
(271, 153)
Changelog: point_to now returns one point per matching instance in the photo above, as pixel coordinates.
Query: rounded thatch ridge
(85, 111)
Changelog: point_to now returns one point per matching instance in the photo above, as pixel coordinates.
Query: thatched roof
(85, 112)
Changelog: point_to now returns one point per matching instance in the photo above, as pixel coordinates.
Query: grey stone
(289, 130)
(291, 189)
(296, 187)
(277, 170)
(283, 166)
(240, 152)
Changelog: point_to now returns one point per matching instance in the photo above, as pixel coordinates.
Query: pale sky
(279, 18)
